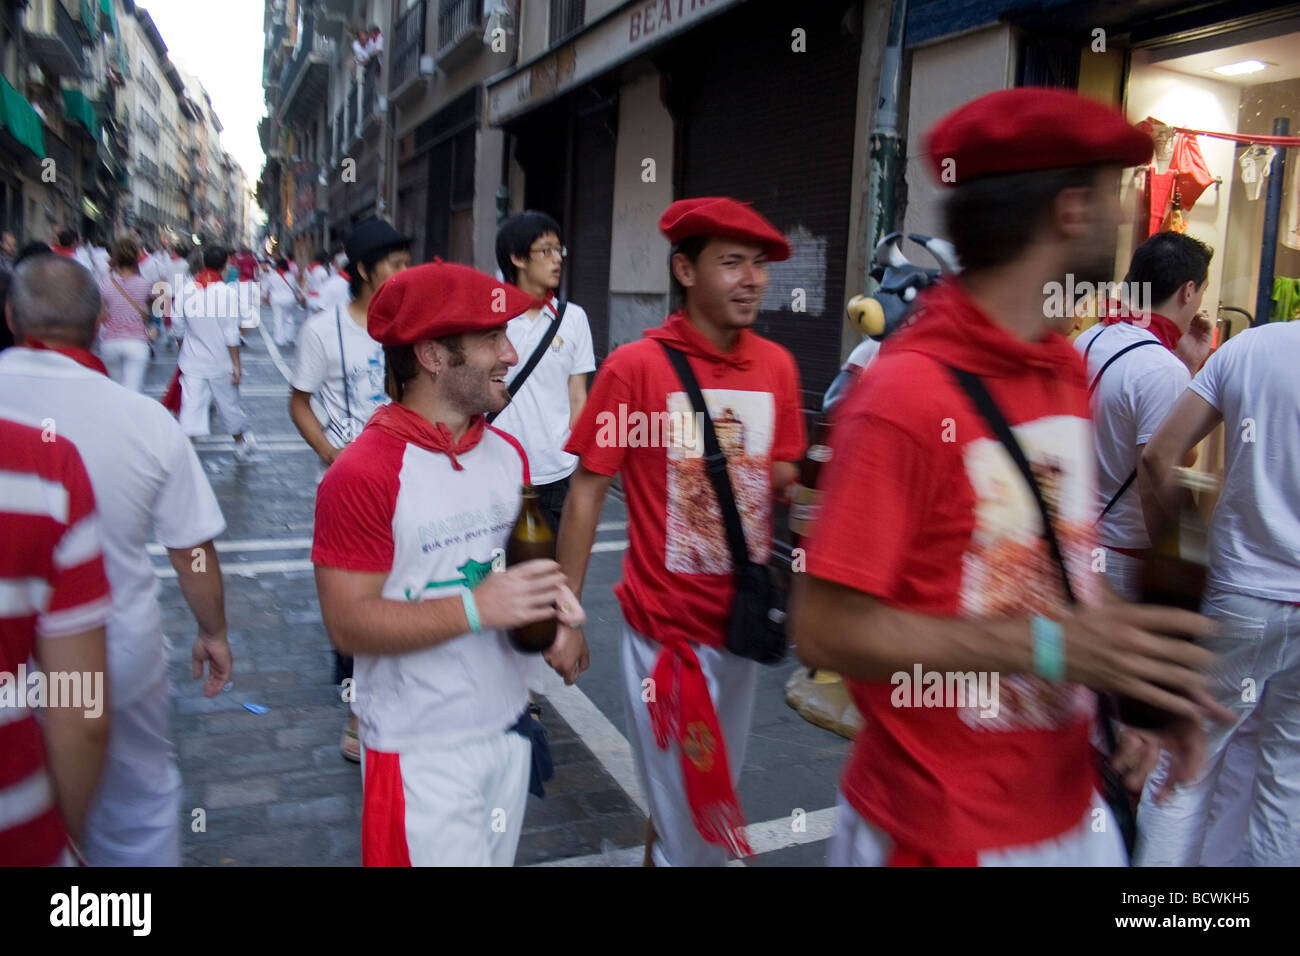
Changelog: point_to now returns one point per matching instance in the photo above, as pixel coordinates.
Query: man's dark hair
(1169, 260)
(992, 220)
(282, 264)
(401, 365)
(517, 235)
(690, 247)
(214, 257)
(321, 257)
(67, 237)
(370, 260)
(182, 250)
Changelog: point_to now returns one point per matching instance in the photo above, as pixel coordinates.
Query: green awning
(106, 7)
(23, 122)
(77, 107)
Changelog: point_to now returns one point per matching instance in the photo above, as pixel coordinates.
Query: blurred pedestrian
(340, 366)
(955, 539)
(441, 694)
(544, 406)
(56, 603)
(125, 330)
(281, 293)
(689, 734)
(206, 324)
(1133, 384)
(1244, 808)
(149, 486)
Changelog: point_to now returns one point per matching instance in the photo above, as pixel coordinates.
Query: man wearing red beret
(933, 583)
(689, 699)
(409, 520)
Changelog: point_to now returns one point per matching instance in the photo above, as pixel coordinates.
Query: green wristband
(471, 611)
(1049, 648)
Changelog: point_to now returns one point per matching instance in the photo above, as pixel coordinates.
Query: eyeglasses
(550, 252)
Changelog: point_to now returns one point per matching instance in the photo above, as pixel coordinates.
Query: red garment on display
(81, 356)
(1193, 176)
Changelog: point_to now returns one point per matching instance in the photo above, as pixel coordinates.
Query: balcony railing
(456, 20)
(315, 49)
(54, 39)
(408, 45)
(566, 19)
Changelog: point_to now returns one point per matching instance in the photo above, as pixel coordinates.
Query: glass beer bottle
(1173, 576)
(805, 499)
(530, 539)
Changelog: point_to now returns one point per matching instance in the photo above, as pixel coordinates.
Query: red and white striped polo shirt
(391, 504)
(52, 584)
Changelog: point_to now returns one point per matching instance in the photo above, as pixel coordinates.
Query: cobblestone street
(274, 789)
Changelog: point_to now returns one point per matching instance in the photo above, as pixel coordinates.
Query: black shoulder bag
(1132, 477)
(547, 337)
(1115, 793)
(756, 625)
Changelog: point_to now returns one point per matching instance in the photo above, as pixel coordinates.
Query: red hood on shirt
(678, 332)
(951, 328)
(400, 422)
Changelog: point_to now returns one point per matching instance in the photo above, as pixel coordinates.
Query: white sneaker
(245, 448)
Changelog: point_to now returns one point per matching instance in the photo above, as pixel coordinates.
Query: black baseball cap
(370, 236)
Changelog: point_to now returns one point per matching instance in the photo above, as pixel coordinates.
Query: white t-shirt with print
(319, 372)
(539, 414)
(149, 486)
(1254, 382)
(1130, 402)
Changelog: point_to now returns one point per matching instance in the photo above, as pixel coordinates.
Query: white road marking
(245, 391)
(608, 546)
(611, 526)
(299, 446)
(601, 737)
(764, 837)
(227, 441)
(249, 544)
(249, 569)
(274, 351)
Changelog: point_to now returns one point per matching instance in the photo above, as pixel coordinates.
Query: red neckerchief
(1158, 325)
(69, 251)
(400, 422)
(681, 710)
(206, 277)
(80, 356)
(344, 274)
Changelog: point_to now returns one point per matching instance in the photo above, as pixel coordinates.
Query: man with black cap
(411, 521)
(342, 367)
(688, 733)
(932, 571)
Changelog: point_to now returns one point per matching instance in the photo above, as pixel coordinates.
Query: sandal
(350, 745)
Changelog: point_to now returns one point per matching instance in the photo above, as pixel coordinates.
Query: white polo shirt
(539, 414)
(207, 320)
(390, 505)
(1254, 382)
(1130, 402)
(149, 486)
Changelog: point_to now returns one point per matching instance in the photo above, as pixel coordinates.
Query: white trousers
(198, 395)
(464, 803)
(133, 820)
(126, 360)
(733, 683)
(1244, 808)
(1094, 841)
(283, 321)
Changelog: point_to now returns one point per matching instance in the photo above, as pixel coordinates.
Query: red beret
(1031, 128)
(726, 218)
(441, 298)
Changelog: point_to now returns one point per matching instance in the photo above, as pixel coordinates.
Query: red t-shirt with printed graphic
(925, 510)
(677, 574)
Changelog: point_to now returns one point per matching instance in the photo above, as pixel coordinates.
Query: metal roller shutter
(767, 125)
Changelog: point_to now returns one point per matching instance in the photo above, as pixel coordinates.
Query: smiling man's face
(725, 285)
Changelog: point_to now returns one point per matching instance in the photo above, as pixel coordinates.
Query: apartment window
(566, 19)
